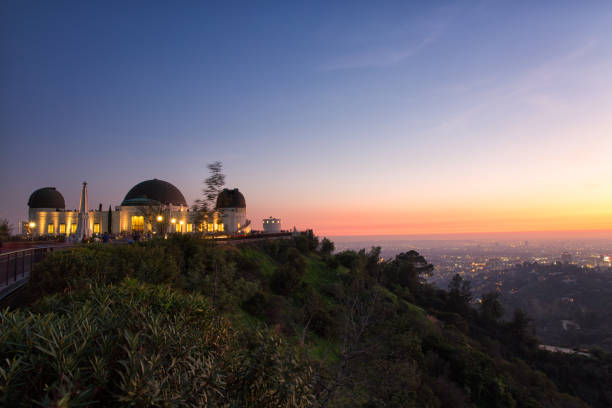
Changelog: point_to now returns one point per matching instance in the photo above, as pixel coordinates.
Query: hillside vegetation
(557, 294)
(282, 323)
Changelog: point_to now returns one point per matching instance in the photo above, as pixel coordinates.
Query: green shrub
(102, 264)
(142, 345)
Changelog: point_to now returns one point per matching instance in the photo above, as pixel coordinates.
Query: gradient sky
(345, 117)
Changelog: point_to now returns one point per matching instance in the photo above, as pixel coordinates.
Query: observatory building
(152, 206)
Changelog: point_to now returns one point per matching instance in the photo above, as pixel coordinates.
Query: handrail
(16, 266)
(36, 247)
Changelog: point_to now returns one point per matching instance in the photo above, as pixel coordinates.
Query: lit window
(178, 227)
(137, 223)
(50, 229)
(210, 228)
(200, 227)
(238, 225)
(73, 228)
(62, 228)
(189, 227)
(220, 227)
(96, 228)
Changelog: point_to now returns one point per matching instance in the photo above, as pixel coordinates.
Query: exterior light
(181, 222)
(32, 224)
(173, 220)
(160, 218)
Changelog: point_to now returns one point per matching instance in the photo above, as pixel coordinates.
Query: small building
(271, 225)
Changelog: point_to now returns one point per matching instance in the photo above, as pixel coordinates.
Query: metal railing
(16, 266)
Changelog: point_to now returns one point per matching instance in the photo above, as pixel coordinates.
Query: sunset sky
(349, 118)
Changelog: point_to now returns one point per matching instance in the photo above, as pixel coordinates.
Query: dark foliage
(139, 345)
(375, 332)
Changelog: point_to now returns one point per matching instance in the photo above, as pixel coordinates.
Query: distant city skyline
(352, 118)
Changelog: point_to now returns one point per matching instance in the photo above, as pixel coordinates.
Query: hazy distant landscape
(563, 281)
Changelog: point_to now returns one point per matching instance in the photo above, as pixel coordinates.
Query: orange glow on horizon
(455, 220)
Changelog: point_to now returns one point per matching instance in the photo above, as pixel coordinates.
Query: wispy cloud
(530, 88)
(548, 72)
(381, 57)
(393, 44)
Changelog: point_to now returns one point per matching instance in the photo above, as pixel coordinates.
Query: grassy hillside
(183, 322)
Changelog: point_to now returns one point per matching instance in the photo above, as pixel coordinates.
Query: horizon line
(441, 234)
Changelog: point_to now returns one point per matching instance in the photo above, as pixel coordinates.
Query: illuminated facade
(153, 206)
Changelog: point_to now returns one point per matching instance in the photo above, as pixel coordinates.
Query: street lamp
(31, 226)
(173, 220)
(160, 218)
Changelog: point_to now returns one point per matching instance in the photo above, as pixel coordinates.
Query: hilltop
(187, 322)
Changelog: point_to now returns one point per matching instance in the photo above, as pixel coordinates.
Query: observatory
(151, 206)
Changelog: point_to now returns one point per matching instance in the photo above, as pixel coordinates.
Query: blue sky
(348, 117)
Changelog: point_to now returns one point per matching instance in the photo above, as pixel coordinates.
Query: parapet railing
(255, 237)
(16, 266)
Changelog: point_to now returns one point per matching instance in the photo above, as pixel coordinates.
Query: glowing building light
(173, 220)
(160, 218)
(137, 223)
(32, 224)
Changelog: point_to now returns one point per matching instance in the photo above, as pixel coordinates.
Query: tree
(521, 330)
(288, 276)
(408, 270)
(5, 230)
(110, 220)
(459, 295)
(204, 207)
(491, 308)
(306, 242)
(151, 214)
(348, 258)
(327, 247)
(360, 309)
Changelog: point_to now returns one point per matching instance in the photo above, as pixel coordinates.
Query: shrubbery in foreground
(142, 345)
(119, 329)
